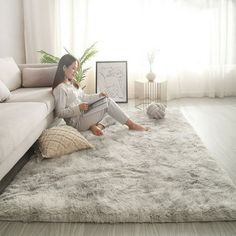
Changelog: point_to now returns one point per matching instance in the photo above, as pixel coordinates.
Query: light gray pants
(99, 115)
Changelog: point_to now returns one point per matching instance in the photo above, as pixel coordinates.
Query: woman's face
(70, 70)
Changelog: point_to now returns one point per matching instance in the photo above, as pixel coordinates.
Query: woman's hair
(65, 60)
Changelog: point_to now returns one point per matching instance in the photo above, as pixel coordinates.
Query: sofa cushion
(17, 121)
(10, 73)
(33, 95)
(7, 163)
(38, 77)
(4, 92)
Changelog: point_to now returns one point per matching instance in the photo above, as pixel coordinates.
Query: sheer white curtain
(196, 40)
(40, 28)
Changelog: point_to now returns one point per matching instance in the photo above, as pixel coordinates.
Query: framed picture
(111, 77)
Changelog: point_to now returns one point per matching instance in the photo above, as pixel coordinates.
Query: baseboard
(6, 180)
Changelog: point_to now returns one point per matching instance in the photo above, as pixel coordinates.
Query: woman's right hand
(83, 106)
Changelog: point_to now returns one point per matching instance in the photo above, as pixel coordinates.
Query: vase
(151, 76)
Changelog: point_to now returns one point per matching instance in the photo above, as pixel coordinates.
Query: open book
(100, 101)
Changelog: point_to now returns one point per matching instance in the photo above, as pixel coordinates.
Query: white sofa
(26, 113)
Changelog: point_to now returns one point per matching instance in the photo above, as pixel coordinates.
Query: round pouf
(156, 110)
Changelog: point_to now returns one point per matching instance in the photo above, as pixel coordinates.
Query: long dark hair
(65, 60)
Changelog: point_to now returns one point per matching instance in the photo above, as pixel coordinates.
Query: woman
(72, 103)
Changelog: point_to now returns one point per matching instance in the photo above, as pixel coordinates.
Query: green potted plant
(81, 72)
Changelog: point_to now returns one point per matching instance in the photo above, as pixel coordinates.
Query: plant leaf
(88, 53)
(48, 58)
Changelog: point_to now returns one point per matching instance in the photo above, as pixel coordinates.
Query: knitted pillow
(61, 140)
(156, 110)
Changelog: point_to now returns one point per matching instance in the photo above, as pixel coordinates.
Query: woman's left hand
(103, 94)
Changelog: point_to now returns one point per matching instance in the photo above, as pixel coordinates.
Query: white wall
(12, 30)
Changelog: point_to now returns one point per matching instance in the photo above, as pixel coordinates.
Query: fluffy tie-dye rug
(163, 175)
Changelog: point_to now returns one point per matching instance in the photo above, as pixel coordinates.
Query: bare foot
(135, 126)
(96, 130)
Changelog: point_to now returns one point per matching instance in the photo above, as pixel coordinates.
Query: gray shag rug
(163, 175)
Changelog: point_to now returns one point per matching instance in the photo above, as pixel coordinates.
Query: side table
(147, 92)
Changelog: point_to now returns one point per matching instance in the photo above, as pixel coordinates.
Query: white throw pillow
(4, 92)
(10, 73)
(61, 140)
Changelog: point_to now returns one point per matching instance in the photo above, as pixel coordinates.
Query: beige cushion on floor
(61, 140)
(10, 73)
(38, 77)
(4, 92)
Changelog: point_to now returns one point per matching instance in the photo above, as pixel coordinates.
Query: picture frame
(112, 78)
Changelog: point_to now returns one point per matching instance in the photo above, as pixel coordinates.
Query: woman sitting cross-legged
(72, 103)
